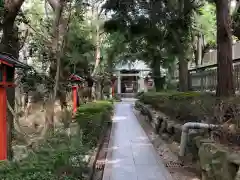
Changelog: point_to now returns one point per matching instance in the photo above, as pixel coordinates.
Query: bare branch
(16, 120)
(24, 39)
(26, 22)
(101, 33)
(37, 32)
(45, 7)
(99, 14)
(54, 4)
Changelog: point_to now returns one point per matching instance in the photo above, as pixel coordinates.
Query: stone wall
(216, 162)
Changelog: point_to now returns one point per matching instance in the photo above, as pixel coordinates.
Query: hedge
(189, 106)
(93, 118)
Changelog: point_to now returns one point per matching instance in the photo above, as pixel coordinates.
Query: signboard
(150, 83)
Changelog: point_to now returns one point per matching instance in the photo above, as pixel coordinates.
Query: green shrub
(200, 107)
(93, 118)
(183, 106)
(153, 98)
(60, 157)
(139, 94)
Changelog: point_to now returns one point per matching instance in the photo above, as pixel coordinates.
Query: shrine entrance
(129, 84)
(130, 81)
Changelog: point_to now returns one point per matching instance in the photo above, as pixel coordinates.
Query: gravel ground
(178, 170)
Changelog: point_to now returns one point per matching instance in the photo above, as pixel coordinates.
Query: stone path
(131, 156)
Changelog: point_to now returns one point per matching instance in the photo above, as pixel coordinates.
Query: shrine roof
(11, 60)
(74, 77)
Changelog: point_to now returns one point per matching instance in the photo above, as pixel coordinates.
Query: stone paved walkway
(131, 156)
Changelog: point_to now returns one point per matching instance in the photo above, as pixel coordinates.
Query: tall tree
(180, 29)
(143, 25)
(205, 31)
(96, 16)
(10, 44)
(225, 85)
(9, 41)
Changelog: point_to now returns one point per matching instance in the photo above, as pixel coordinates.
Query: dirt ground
(32, 126)
(178, 170)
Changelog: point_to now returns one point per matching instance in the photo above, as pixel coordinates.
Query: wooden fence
(205, 78)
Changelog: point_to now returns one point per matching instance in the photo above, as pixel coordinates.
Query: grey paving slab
(131, 156)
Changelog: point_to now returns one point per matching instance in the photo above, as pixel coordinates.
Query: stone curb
(214, 160)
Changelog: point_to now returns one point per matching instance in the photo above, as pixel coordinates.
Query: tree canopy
(98, 35)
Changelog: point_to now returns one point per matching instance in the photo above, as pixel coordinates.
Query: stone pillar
(141, 85)
(119, 84)
(110, 92)
(145, 85)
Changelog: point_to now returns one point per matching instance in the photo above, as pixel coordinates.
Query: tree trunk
(56, 59)
(97, 51)
(60, 27)
(183, 74)
(225, 86)
(199, 50)
(10, 122)
(183, 64)
(10, 44)
(101, 89)
(158, 80)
